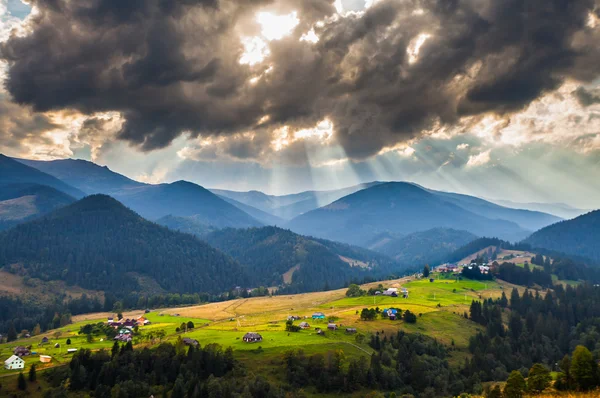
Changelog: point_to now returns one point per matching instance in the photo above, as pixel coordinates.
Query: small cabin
(190, 342)
(57, 345)
(431, 280)
(252, 337)
(304, 325)
(45, 358)
(351, 330)
(319, 331)
(44, 340)
(14, 362)
(392, 317)
(318, 315)
(332, 326)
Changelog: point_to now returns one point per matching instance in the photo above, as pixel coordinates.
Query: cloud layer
(381, 76)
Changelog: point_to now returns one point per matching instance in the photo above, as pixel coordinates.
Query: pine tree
(32, 374)
(426, 271)
(21, 383)
(37, 329)
(12, 333)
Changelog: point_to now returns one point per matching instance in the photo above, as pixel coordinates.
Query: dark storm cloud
(172, 66)
(587, 97)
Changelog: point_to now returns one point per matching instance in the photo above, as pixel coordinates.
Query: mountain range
(401, 209)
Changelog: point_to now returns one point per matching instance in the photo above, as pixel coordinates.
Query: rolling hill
(558, 209)
(23, 202)
(97, 243)
(289, 206)
(579, 236)
(185, 199)
(280, 256)
(398, 208)
(425, 247)
(13, 172)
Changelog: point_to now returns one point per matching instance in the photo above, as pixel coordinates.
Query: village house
(350, 330)
(21, 351)
(392, 291)
(190, 342)
(318, 315)
(14, 362)
(304, 325)
(44, 340)
(124, 338)
(331, 326)
(392, 317)
(293, 318)
(252, 337)
(141, 321)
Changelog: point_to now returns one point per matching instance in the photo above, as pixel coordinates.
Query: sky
(499, 99)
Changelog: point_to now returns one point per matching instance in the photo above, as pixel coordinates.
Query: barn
(252, 337)
(14, 362)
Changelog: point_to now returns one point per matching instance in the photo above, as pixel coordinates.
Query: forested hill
(305, 264)
(98, 243)
(580, 236)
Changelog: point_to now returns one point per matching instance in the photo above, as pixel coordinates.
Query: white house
(14, 362)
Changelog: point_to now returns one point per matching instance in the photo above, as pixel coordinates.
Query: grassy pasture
(439, 306)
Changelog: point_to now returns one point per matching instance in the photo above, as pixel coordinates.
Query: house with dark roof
(21, 351)
(304, 325)
(350, 330)
(252, 337)
(190, 342)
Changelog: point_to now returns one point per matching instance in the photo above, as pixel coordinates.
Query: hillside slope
(426, 247)
(579, 236)
(398, 208)
(526, 219)
(13, 172)
(86, 176)
(98, 243)
(22, 202)
(306, 264)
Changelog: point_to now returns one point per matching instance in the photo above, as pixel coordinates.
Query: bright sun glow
(415, 46)
(276, 27)
(273, 27)
(283, 137)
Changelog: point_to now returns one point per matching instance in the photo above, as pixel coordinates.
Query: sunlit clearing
(310, 36)
(275, 27)
(415, 46)
(255, 51)
(323, 130)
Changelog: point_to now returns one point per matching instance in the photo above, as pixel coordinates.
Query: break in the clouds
(357, 88)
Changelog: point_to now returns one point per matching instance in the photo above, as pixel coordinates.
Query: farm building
(293, 318)
(304, 325)
(188, 341)
(332, 326)
(392, 317)
(45, 358)
(350, 330)
(44, 340)
(318, 315)
(252, 337)
(72, 350)
(14, 362)
(319, 331)
(56, 345)
(21, 351)
(125, 338)
(392, 291)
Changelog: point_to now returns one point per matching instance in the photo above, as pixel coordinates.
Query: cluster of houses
(484, 268)
(393, 292)
(125, 327)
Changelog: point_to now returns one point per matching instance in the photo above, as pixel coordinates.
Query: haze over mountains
(408, 224)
